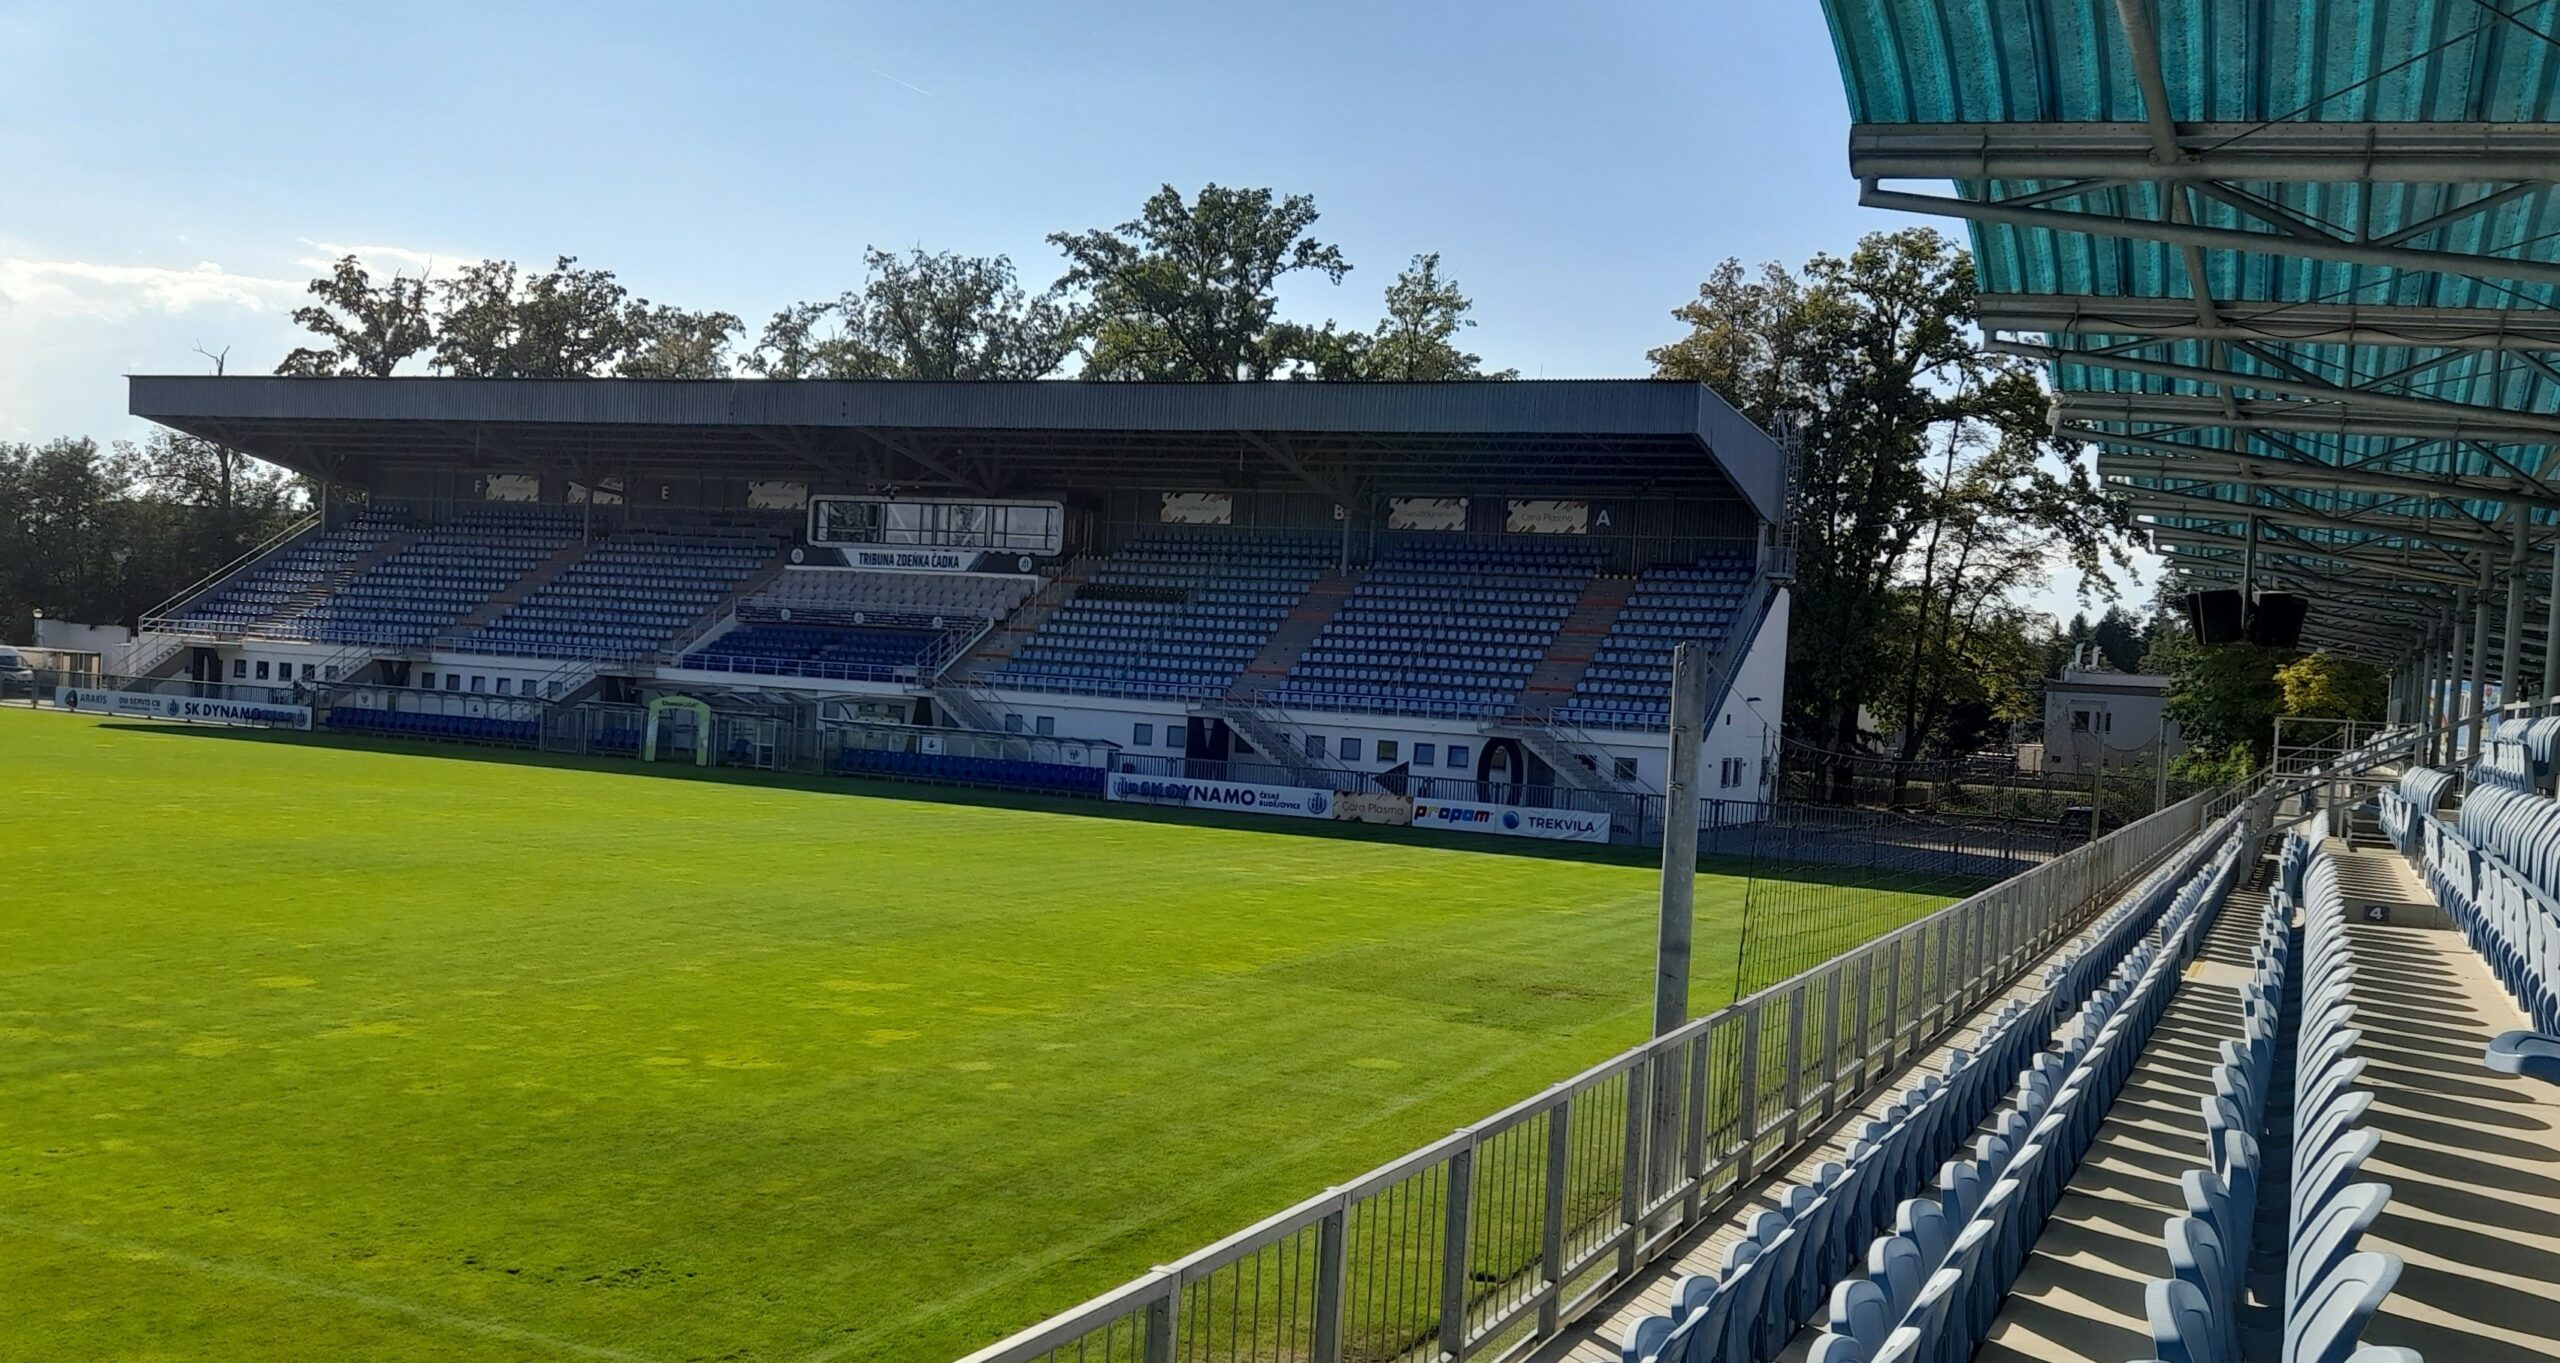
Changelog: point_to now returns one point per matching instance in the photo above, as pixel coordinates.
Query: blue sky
(174, 173)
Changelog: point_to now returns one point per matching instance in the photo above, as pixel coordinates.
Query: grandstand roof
(2293, 268)
(1629, 437)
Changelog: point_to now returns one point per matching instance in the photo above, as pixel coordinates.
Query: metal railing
(1483, 1244)
(161, 618)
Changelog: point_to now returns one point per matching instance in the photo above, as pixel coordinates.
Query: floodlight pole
(1679, 839)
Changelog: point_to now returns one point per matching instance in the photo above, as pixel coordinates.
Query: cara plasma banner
(1512, 821)
(143, 705)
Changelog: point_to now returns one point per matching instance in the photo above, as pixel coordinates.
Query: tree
(1872, 360)
(372, 328)
(2326, 686)
(2224, 696)
(922, 316)
(1416, 341)
(566, 322)
(1188, 289)
(671, 343)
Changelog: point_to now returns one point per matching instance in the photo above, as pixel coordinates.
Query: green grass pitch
(401, 1053)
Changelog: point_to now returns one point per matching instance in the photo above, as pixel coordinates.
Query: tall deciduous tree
(1188, 289)
(494, 322)
(1873, 360)
(673, 343)
(370, 327)
(1417, 341)
(922, 315)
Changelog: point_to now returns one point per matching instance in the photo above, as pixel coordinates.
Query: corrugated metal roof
(1561, 437)
(2328, 91)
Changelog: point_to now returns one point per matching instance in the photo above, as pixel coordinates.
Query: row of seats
(439, 577)
(853, 595)
(1874, 1217)
(303, 566)
(2330, 1290)
(627, 597)
(841, 654)
(1013, 773)
(1454, 628)
(2493, 871)
(1628, 684)
(1169, 615)
(456, 728)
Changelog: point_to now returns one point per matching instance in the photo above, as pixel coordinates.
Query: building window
(306, 671)
(1626, 769)
(1142, 736)
(262, 669)
(1174, 737)
(452, 681)
(426, 681)
(1424, 754)
(1349, 748)
(503, 684)
(1045, 725)
(1315, 745)
(479, 684)
(1458, 755)
(1386, 750)
(239, 669)
(1013, 724)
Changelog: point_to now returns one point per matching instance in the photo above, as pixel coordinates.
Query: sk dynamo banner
(1511, 821)
(1290, 802)
(143, 705)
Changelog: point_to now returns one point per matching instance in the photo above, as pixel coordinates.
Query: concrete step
(1603, 598)
(1289, 642)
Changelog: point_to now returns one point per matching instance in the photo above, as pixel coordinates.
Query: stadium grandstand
(2270, 1075)
(1452, 604)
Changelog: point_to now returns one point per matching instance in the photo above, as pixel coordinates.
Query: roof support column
(2422, 712)
(2448, 746)
(2551, 627)
(2511, 645)
(2479, 705)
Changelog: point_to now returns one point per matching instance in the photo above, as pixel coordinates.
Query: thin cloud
(79, 288)
(379, 259)
(928, 94)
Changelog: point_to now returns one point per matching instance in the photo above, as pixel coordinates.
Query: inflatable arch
(702, 725)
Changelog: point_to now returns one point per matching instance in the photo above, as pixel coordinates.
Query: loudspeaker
(2275, 619)
(2216, 617)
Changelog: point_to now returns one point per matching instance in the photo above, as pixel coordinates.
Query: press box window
(1315, 745)
(1386, 750)
(1142, 736)
(239, 669)
(1350, 749)
(1458, 755)
(262, 669)
(1424, 754)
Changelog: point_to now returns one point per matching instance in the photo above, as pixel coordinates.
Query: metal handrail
(166, 609)
(1709, 1062)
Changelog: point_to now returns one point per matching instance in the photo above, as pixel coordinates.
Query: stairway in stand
(1297, 630)
(1010, 633)
(1570, 656)
(301, 603)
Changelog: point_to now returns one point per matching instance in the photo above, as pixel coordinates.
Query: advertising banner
(1360, 806)
(143, 705)
(1534, 516)
(1288, 802)
(1512, 821)
(1426, 513)
(1198, 508)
